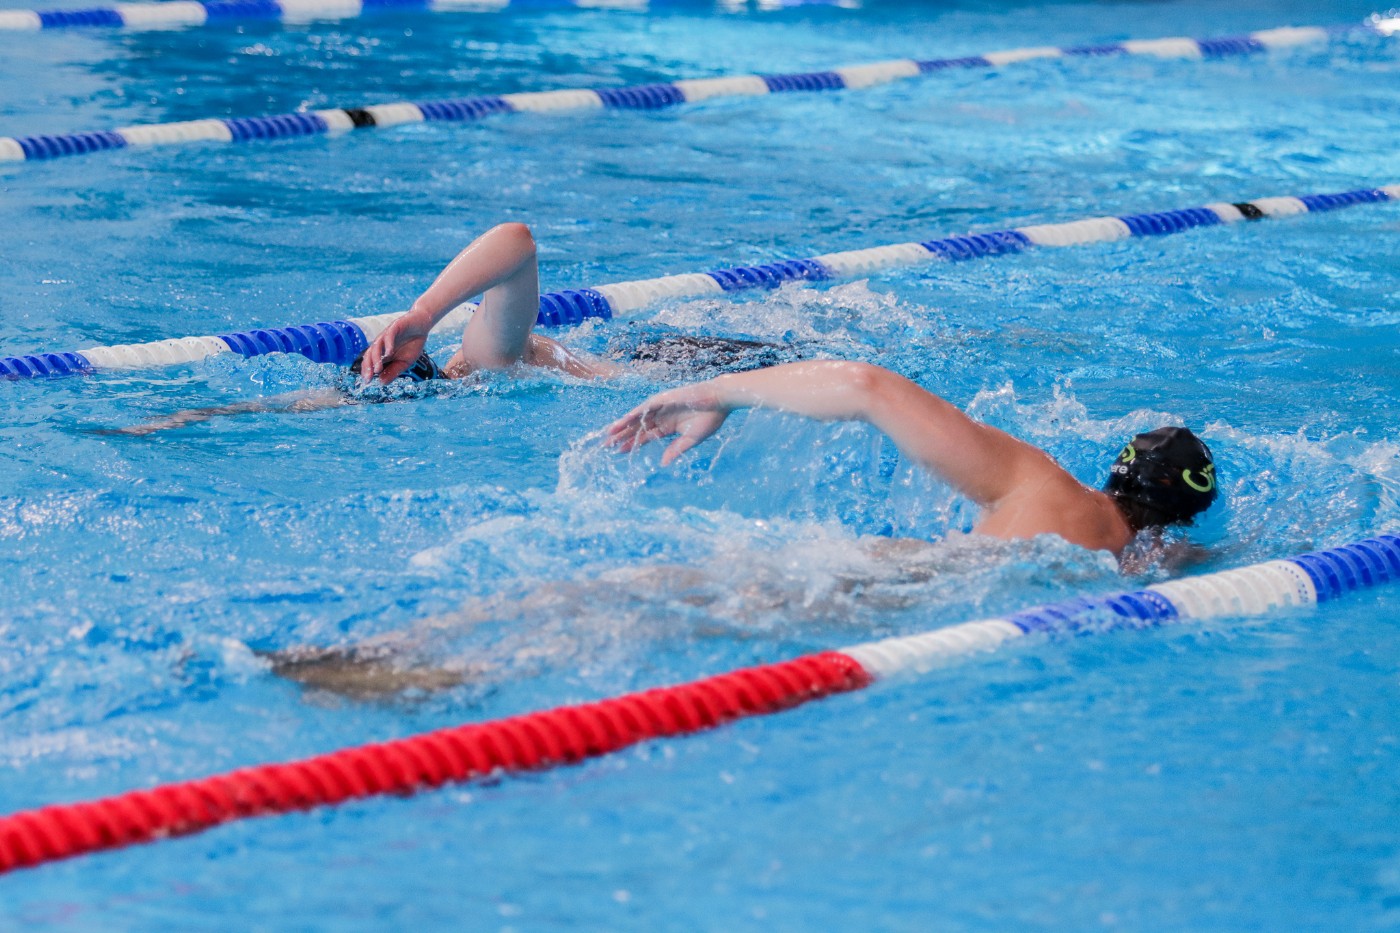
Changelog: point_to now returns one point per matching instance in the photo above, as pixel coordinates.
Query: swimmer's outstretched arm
(983, 463)
(500, 265)
(306, 401)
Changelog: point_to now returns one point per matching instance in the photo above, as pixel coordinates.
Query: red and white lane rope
(572, 733)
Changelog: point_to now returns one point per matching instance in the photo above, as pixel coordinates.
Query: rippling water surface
(1230, 775)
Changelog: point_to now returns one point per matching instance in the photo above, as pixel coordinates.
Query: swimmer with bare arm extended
(500, 266)
(1160, 478)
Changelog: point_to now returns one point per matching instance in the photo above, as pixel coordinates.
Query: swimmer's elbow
(870, 387)
(856, 380)
(518, 238)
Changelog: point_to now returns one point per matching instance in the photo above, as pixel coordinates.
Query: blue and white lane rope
(1248, 591)
(640, 97)
(340, 341)
(178, 14)
(175, 14)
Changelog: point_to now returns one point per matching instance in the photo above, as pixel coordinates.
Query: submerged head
(422, 370)
(1163, 477)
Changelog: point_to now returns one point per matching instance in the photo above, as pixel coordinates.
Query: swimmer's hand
(397, 347)
(693, 412)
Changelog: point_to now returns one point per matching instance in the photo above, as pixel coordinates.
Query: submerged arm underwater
(289, 402)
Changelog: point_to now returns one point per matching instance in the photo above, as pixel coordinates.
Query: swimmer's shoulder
(1058, 505)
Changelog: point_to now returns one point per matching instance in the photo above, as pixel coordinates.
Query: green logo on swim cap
(1208, 473)
(1129, 453)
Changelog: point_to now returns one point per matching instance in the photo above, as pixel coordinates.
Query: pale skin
(1021, 490)
(499, 265)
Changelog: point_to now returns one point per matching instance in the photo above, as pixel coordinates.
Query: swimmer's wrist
(723, 394)
(420, 315)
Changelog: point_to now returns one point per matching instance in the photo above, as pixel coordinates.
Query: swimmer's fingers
(627, 440)
(393, 368)
(642, 427)
(677, 447)
(393, 351)
(623, 433)
(385, 347)
(659, 409)
(652, 420)
(367, 363)
(373, 360)
(623, 428)
(694, 428)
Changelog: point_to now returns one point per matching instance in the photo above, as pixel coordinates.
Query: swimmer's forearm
(983, 463)
(828, 390)
(824, 390)
(980, 461)
(491, 259)
(499, 264)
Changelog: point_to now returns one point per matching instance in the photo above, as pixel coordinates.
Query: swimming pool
(1225, 775)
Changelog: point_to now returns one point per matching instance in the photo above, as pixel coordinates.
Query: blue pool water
(1230, 775)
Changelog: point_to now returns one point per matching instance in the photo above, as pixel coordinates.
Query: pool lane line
(337, 121)
(179, 14)
(569, 734)
(341, 341)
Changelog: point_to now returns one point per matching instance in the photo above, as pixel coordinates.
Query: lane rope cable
(568, 734)
(341, 341)
(335, 121)
(181, 14)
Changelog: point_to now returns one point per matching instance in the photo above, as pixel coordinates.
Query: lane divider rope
(569, 734)
(639, 97)
(340, 341)
(179, 14)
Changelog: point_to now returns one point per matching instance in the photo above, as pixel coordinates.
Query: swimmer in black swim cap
(501, 267)
(1163, 477)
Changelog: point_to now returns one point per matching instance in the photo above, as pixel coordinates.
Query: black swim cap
(422, 369)
(1168, 472)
